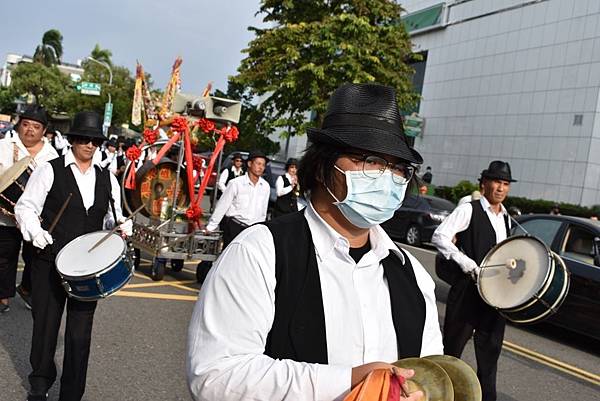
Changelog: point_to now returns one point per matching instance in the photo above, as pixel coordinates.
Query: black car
(417, 219)
(577, 241)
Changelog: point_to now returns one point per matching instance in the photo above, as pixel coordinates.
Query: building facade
(74, 71)
(515, 80)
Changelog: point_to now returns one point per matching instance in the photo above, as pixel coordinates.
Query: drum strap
(15, 153)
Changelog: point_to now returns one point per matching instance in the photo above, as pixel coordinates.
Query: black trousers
(468, 315)
(231, 228)
(49, 299)
(10, 245)
(27, 254)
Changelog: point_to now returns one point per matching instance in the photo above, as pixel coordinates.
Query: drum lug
(100, 287)
(66, 286)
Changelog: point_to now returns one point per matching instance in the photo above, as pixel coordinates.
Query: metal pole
(110, 78)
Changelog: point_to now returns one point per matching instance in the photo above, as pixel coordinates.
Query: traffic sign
(108, 109)
(89, 88)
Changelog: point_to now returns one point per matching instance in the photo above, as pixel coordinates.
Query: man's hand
(360, 372)
(42, 239)
(126, 226)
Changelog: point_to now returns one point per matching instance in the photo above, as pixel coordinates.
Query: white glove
(42, 239)
(126, 226)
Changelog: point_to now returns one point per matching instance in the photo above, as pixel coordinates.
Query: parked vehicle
(577, 241)
(417, 219)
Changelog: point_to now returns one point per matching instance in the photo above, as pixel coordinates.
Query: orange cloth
(375, 387)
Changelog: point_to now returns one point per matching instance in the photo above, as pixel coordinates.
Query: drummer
(30, 142)
(89, 209)
(478, 226)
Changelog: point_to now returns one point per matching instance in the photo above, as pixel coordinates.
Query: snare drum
(531, 291)
(12, 185)
(89, 276)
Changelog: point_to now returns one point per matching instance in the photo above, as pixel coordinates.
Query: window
(579, 245)
(544, 229)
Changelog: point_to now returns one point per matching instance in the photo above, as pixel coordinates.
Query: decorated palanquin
(164, 182)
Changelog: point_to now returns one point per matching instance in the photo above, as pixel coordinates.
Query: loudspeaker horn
(211, 107)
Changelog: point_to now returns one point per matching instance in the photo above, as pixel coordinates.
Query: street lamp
(109, 104)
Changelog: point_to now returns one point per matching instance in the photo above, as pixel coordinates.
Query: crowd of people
(301, 307)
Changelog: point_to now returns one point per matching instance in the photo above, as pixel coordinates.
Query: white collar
(70, 159)
(487, 206)
(325, 237)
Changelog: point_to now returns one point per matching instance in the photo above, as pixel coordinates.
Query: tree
(48, 86)
(51, 50)
(102, 55)
(315, 46)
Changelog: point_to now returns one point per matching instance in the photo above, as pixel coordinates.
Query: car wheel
(413, 235)
(158, 269)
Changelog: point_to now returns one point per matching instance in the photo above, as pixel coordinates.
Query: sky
(208, 34)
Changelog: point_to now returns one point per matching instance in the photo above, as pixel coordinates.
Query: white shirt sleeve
(443, 237)
(115, 190)
(60, 141)
(223, 204)
(222, 184)
(281, 190)
(225, 356)
(31, 203)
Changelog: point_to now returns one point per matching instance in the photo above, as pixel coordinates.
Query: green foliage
(7, 98)
(48, 86)
(316, 46)
(254, 131)
(50, 51)
(526, 206)
(102, 55)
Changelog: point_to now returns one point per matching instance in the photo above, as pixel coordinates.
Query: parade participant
(427, 176)
(478, 226)
(110, 157)
(230, 173)
(244, 202)
(315, 300)
(29, 141)
(89, 209)
(288, 190)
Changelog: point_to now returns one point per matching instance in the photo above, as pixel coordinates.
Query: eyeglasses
(82, 140)
(375, 166)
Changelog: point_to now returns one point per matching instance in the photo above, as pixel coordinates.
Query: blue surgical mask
(369, 201)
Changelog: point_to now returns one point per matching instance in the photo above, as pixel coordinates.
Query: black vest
(298, 331)
(287, 203)
(75, 220)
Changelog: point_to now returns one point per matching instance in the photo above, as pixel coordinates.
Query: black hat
(87, 124)
(36, 113)
(236, 155)
(257, 153)
(498, 170)
(291, 162)
(111, 142)
(365, 116)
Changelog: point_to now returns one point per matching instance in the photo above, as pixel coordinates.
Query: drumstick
(115, 228)
(509, 264)
(60, 213)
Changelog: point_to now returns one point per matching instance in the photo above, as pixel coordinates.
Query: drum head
(13, 172)
(506, 288)
(74, 260)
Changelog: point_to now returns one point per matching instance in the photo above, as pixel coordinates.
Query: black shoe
(4, 308)
(25, 296)
(37, 397)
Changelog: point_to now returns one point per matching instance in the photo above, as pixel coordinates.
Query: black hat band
(360, 120)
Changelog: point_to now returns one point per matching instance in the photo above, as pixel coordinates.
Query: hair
(316, 166)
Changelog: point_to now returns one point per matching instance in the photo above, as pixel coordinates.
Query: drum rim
(95, 274)
(498, 245)
(19, 167)
(101, 295)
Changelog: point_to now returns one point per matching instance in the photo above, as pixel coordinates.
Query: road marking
(159, 284)
(153, 295)
(183, 287)
(553, 363)
(138, 275)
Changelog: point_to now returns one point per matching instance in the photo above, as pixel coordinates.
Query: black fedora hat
(36, 113)
(291, 162)
(257, 153)
(87, 124)
(498, 170)
(365, 116)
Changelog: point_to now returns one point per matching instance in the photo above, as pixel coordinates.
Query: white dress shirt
(459, 221)
(30, 205)
(243, 200)
(235, 311)
(110, 162)
(222, 184)
(282, 190)
(7, 156)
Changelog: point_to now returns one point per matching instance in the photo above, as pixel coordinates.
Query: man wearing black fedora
(305, 306)
(29, 142)
(245, 200)
(88, 210)
(478, 226)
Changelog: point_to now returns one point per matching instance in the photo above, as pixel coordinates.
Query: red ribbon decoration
(207, 173)
(133, 153)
